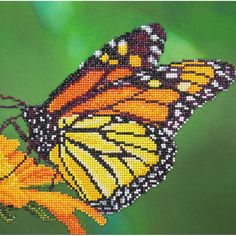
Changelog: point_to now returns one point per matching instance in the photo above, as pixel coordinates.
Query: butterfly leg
(28, 149)
(12, 121)
(53, 180)
(20, 132)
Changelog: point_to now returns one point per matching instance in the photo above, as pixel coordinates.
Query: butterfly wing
(111, 160)
(120, 58)
(123, 145)
(197, 81)
(163, 96)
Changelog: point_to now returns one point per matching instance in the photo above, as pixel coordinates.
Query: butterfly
(109, 127)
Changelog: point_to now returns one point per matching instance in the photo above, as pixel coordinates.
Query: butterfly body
(42, 128)
(109, 127)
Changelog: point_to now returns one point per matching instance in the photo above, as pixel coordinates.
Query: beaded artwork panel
(107, 131)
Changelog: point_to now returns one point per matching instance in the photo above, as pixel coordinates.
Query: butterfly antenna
(19, 103)
(9, 106)
(8, 121)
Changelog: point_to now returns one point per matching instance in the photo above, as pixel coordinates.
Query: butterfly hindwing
(119, 59)
(100, 156)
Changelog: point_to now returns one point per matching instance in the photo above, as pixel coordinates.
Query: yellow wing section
(99, 154)
(194, 75)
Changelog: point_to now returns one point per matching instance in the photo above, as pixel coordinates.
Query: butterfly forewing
(196, 81)
(158, 96)
(120, 58)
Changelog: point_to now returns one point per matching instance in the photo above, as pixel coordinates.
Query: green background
(42, 42)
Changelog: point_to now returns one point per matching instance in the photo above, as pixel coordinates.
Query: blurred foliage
(42, 42)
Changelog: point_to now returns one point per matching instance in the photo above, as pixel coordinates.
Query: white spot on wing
(147, 28)
(154, 37)
(112, 43)
(97, 53)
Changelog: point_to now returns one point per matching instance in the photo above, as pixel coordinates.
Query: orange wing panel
(148, 112)
(118, 73)
(160, 95)
(77, 89)
(105, 99)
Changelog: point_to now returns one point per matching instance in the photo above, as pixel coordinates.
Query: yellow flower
(18, 172)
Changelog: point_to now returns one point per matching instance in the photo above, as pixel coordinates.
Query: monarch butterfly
(109, 127)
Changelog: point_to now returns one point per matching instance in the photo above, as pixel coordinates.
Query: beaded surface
(107, 131)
